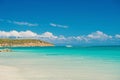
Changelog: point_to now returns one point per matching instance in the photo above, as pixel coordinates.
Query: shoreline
(23, 46)
(29, 46)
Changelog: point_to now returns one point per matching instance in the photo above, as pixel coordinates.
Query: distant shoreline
(24, 46)
(23, 43)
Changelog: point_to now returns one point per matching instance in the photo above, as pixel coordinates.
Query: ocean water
(61, 63)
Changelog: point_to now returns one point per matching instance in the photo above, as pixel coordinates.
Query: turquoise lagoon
(62, 63)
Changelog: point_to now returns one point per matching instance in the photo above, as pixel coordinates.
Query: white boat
(68, 45)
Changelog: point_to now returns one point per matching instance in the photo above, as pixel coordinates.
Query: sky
(74, 22)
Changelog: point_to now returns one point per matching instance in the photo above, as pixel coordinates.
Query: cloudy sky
(75, 22)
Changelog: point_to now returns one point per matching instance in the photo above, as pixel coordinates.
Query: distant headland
(23, 43)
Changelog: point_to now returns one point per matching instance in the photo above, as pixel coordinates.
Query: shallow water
(61, 63)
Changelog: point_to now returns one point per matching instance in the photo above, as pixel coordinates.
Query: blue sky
(67, 18)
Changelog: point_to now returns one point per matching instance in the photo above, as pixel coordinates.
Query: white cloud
(22, 23)
(27, 34)
(58, 25)
(25, 23)
(22, 34)
(52, 24)
(13, 33)
(48, 35)
(117, 36)
(99, 36)
(3, 34)
(61, 37)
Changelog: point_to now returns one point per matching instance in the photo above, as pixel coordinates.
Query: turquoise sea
(61, 63)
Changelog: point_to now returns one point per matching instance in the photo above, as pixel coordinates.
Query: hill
(23, 43)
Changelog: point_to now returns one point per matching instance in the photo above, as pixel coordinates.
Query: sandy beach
(10, 73)
(60, 63)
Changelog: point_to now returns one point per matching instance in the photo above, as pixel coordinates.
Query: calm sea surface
(62, 63)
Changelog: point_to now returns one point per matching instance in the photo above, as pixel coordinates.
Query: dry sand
(10, 73)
